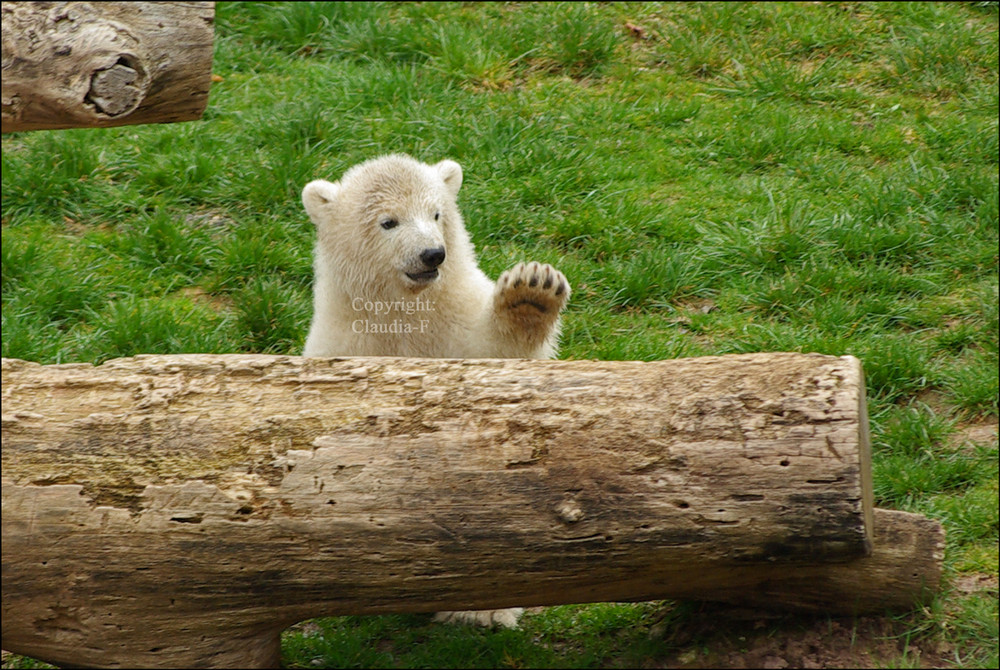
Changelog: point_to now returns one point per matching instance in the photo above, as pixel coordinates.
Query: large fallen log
(99, 64)
(183, 510)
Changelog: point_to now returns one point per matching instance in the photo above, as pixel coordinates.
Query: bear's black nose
(432, 257)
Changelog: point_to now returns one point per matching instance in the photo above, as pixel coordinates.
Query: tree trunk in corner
(98, 64)
(183, 510)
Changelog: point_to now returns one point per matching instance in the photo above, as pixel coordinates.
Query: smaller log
(903, 570)
(80, 64)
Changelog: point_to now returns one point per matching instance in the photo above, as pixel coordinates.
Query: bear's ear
(451, 173)
(317, 197)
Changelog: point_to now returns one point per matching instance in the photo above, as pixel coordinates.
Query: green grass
(577, 635)
(744, 177)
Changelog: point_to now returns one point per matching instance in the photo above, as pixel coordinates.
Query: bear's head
(388, 225)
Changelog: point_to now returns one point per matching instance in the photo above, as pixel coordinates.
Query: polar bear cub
(396, 275)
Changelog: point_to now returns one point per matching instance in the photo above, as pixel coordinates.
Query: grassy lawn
(711, 177)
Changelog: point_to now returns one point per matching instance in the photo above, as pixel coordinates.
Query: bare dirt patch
(716, 637)
(199, 295)
(983, 433)
(977, 582)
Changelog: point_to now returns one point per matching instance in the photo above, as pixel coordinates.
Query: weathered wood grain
(99, 64)
(166, 510)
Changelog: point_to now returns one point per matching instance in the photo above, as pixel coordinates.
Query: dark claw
(548, 282)
(533, 282)
(561, 289)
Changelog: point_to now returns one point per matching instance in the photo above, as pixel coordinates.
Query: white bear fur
(359, 264)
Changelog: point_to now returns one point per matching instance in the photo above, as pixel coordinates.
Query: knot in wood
(569, 511)
(119, 89)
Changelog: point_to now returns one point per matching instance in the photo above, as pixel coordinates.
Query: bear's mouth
(423, 277)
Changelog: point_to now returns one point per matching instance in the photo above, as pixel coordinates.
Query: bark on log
(80, 64)
(183, 510)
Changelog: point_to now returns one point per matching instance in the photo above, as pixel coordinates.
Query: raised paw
(530, 289)
(505, 618)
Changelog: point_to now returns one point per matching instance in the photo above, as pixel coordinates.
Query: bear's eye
(437, 215)
(389, 223)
